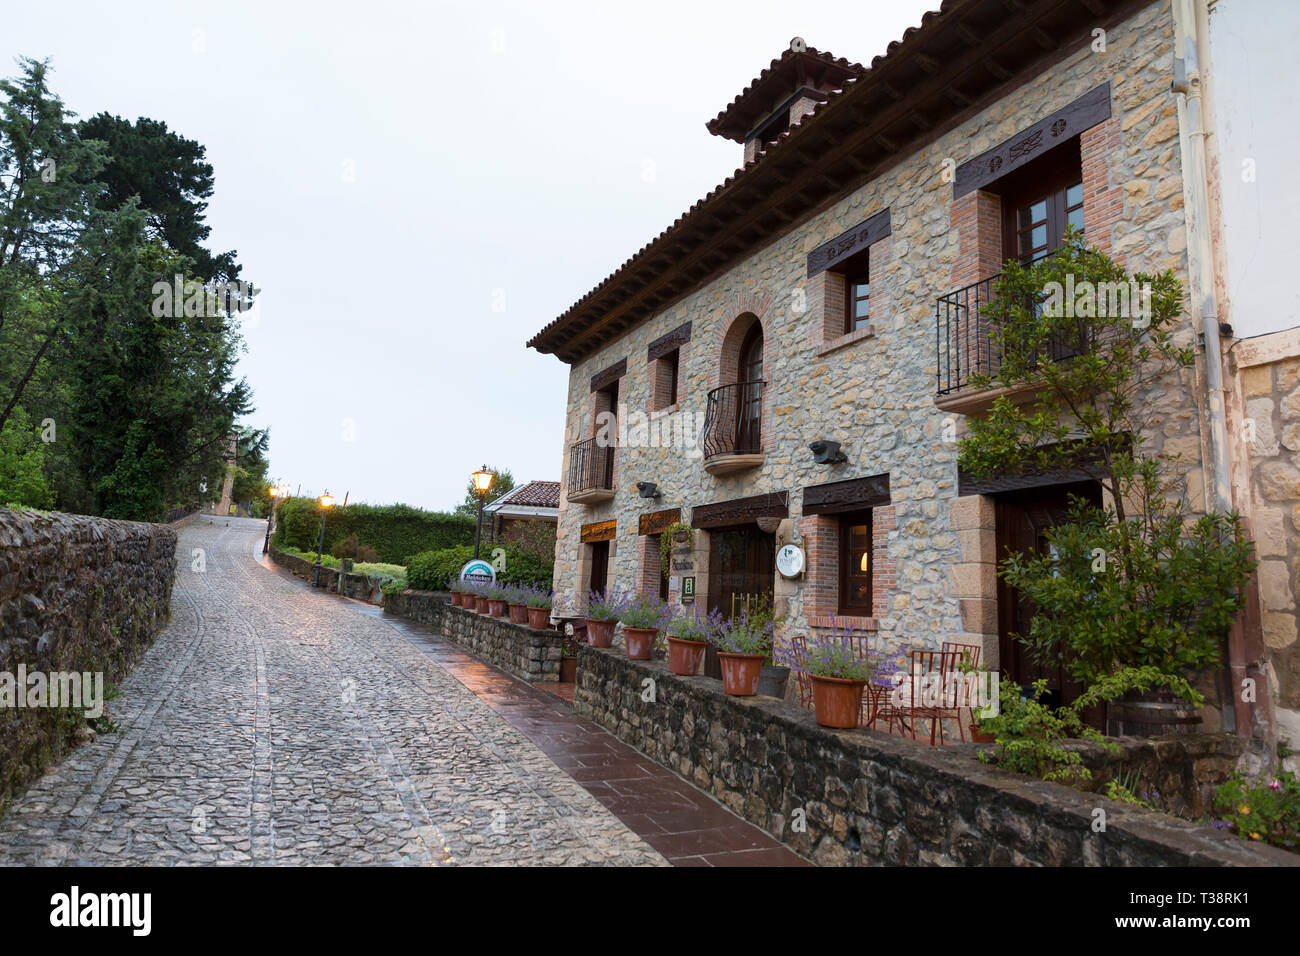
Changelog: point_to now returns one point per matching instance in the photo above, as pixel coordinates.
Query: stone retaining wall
(529, 654)
(869, 798)
(77, 594)
(362, 587)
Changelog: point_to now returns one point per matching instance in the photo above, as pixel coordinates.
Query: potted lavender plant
(641, 617)
(602, 616)
(839, 676)
(539, 601)
(515, 600)
(744, 643)
(688, 638)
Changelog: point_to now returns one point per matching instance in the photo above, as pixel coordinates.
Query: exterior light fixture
(648, 489)
(827, 452)
(482, 484)
(326, 502)
(274, 492)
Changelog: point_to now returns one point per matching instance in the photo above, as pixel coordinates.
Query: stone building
(820, 294)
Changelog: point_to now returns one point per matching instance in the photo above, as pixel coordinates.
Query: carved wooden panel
(609, 375)
(668, 343)
(850, 495)
(655, 522)
(849, 243)
(599, 531)
(721, 514)
(1067, 122)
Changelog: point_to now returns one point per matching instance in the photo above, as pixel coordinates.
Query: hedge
(433, 570)
(396, 532)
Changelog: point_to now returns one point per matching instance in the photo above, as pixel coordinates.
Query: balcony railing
(591, 469)
(968, 341)
(733, 420)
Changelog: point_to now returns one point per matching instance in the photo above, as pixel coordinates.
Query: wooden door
(599, 566)
(742, 568)
(1023, 519)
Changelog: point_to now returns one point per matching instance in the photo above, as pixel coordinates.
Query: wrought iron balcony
(591, 472)
(733, 428)
(967, 343)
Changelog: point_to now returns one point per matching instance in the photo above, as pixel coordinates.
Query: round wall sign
(789, 561)
(478, 571)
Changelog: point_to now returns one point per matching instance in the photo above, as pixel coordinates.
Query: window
(856, 564)
(1039, 202)
(857, 298)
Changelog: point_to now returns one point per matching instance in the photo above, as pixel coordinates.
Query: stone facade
(868, 798)
(874, 390)
(1268, 379)
(525, 652)
(77, 594)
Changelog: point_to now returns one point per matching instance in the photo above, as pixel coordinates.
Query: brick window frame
(827, 293)
(821, 590)
(730, 337)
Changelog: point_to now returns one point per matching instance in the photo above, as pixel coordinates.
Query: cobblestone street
(270, 724)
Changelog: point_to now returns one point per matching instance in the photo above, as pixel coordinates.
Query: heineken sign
(478, 571)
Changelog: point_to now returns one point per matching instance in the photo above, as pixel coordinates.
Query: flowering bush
(693, 627)
(642, 611)
(606, 607)
(838, 655)
(1267, 809)
(535, 595)
(753, 631)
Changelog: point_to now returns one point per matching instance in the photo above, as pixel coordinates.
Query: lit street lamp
(482, 484)
(266, 544)
(326, 502)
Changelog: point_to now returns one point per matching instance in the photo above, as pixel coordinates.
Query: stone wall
(528, 654)
(362, 587)
(77, 594)
(869, 798)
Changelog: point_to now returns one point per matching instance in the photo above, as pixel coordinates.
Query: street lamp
(482, 483)
(266, 544)
(326, 502)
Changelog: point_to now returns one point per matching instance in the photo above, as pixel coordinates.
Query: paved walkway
(273, 724)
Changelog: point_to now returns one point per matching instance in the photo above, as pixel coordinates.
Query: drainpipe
(1191, 39)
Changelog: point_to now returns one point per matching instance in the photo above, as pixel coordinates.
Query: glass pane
(1075, 219)
(857, 537)
(1074, 195)
(1038, 237)
(863, 308)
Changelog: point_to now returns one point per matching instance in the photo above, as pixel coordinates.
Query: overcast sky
(418, 188)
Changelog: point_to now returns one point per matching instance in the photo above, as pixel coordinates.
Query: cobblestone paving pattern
(269, 725)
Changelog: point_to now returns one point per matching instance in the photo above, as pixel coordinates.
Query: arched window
(750, 399)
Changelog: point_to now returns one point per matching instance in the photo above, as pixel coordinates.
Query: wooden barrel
(1152, 714)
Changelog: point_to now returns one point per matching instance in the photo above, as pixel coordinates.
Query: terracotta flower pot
(740, 673)
(600, 633)
(539, 617)
(460, 598)
(684, 656)
(838, 702)
(519, 614)
(481, 605)
(568, 670)
(640, 642)
(978, 736)
(496, 608)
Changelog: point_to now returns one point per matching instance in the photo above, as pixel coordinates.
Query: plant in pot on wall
(688, 638)
(538, 600)
(496, 597)
(839, 676)
(744, 643)
(677, 535)
(454, 588)
(517, 600)
(602, 616)
(568, 662)
(481, 598)
(641, 617)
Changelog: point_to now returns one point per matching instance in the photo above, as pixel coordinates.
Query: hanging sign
(790, 561)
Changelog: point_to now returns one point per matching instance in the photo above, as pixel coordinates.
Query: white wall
(1255, 55)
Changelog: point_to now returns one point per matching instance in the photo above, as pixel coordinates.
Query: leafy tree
(22, 460)
(1136, 583)
(172, 180)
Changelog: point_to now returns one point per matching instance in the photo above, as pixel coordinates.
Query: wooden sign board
(599, 531)
(657, 522)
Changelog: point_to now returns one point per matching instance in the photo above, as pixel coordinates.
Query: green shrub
(434, 570)
(394, 532)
